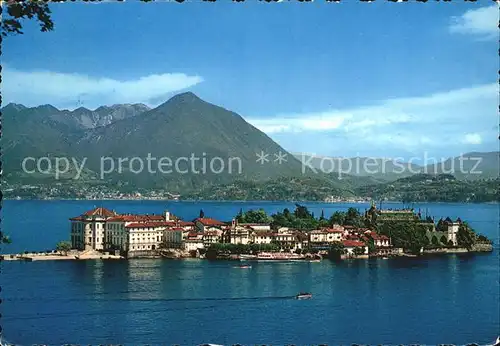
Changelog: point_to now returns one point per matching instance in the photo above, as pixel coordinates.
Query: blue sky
(369, 79)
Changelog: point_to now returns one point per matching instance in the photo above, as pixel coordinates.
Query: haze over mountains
(184, 126)
(471, 166)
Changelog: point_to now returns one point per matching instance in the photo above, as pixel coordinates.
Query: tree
(5, 239)
(434, 240)
(64, 247)
(466, 237)
(322, 217)
(337, 218)
(18, 10)
(353, 218)
(371, 245)
(255, 216)
(443, 240)
(202, 214)
(336, 250)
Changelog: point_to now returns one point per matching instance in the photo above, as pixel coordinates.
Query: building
(104, 230)
(326, 235)
(173, 238)
(350, 245)
(239, 235)
(452, 228)
(211, 237)
(89, 229)
(194, 242)
(379, 240)
(203, 224)
(287, 241)
(262, 238)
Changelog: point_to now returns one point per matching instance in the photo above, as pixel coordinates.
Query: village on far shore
(101, 233)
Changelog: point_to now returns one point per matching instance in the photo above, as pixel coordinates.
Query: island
(101, 233)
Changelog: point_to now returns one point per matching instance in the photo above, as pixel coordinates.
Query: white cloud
(74, 90)
(482, 21)
(472, 138)
(411, 124)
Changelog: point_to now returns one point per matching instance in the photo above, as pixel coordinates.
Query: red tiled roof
(138, 218)
(206, 221)
(78, 218)
(175, 229)
(186, 223)
(353, 243)
(148, 224)
(100, 212)
(194, 235)
(376, 236)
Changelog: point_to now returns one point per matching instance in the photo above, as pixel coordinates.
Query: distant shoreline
(234, 201)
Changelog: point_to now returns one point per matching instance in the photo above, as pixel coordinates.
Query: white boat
(303, 295)
(278, 256)
(244, 266)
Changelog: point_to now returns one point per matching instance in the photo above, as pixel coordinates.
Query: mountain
(180, 130)
(183, 127)
(83, 118)
(378, 168)
(432, 188)
(469, 166)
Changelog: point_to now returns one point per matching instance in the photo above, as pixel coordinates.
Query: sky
(379, 79)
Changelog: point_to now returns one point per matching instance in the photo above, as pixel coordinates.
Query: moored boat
(278, 256)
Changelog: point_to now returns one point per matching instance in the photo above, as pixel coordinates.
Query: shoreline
(30, 257)
(234, 201)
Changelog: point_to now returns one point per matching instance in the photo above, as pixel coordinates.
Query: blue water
(449, 299)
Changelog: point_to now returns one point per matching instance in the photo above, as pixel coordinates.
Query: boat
(244, 266)
(303, 295)
(278, 256)
(247, 257)
(315, 260)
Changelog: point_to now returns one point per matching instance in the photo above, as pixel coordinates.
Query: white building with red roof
(326, 235)
(88, 231)
(203, 224)
(350, 245)
(102, 229)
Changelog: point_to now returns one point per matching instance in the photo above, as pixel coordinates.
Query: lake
(447, 299)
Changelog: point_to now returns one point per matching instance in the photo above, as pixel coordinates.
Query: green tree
(19, 10)
(64, 247)
(466, 237)
(371, 246)
(353, 218)
(202, 214)
(336, 250)
(338, 218)
(5, 239)
(443, 240)
(434, 240)
(255, 216)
